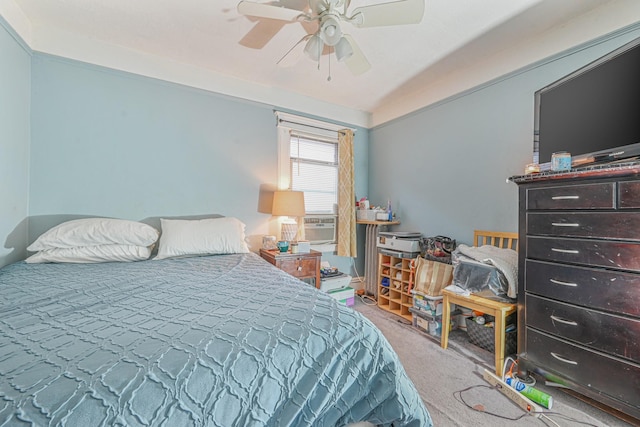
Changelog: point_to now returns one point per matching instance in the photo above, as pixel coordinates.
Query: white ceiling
(207, 44)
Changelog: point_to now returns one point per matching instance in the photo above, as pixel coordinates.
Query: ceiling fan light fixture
(330, 31)
(329, 15)
(343, 49)
(313, 48)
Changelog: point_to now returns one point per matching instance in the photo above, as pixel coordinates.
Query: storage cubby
(396, 297)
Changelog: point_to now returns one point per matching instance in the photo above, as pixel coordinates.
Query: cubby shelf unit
(399, 299)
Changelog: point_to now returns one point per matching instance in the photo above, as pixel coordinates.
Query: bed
(216, 340)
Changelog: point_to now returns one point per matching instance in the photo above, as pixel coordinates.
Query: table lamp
(291, 204)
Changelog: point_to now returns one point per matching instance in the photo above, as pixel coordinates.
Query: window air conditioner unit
(320, 229)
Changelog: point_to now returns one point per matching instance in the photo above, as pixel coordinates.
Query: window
(308, 161)
(314, 170)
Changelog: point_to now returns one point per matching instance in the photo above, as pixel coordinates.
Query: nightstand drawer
(299, 267)
(304, 266)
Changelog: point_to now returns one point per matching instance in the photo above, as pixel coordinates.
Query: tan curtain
(347, 245)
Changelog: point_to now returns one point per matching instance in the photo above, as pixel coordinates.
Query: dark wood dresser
(579, 281)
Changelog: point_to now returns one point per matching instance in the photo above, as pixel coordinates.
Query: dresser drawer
(605, 225)
(598, 372)
(590, 287)
(584, 196)
(599, 253)
(629, 194)
(609, 333)
(299, 267)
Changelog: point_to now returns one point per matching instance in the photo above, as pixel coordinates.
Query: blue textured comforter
(219, 341)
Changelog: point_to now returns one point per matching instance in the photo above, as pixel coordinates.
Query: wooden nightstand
(304, 266)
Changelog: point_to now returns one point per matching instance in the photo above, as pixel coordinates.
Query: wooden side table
(300, 265)
(500, 310)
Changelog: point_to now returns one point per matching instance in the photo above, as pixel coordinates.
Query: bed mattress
(224, 340)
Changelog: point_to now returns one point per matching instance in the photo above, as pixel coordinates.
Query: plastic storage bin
(428, 304)
(426, 322)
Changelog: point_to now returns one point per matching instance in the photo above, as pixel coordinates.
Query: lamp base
(289, 231)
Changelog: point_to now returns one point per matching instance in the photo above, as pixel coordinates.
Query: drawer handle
(565, 224)
(565, 251)
(562, 359)
(299, 268)
(565, 197)
(561, 320)
(558, 282)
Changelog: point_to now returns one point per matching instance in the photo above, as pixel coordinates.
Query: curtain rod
(313, 137)
(304, 121)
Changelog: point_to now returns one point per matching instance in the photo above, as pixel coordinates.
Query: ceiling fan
(329, 14)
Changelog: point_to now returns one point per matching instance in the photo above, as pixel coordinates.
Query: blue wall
(445, 167)
(115, 144)
(15, 87)
(79, 139)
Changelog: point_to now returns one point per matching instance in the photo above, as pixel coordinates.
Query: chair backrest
(500, 239)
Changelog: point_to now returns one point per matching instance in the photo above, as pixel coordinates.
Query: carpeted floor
(442, 378)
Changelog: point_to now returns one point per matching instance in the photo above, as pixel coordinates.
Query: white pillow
(94, 232)
(92, 254)
(201, 237)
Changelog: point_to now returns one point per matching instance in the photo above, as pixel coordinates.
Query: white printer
(333, 282)
(400, 241)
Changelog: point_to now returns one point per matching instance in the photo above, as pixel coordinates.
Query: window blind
(314, 170)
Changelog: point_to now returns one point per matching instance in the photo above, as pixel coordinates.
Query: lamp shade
(314, 47)
(288, 203)
(343, 49)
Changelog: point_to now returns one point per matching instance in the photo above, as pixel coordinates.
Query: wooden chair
(500, 310)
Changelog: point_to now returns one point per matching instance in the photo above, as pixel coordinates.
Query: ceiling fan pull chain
(329, 78)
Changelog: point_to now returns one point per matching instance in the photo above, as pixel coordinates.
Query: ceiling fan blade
(262, 33)
(392, 13)
(357, 62)
(264, 10)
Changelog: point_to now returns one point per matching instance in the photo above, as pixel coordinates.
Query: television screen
(594, 112)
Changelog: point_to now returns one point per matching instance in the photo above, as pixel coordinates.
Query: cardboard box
(344, 295)
(367, 214)
(348, 302)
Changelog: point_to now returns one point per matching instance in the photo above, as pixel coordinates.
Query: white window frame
(288, 123)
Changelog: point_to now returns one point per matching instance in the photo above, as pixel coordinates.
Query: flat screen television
(592, 113)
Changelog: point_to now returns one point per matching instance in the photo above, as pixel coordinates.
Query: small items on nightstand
(304, 247)
(269, 243)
